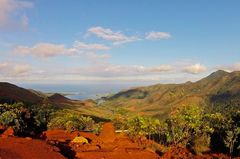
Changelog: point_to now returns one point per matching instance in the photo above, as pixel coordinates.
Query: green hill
(218, 89)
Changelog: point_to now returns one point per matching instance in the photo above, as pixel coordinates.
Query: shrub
(71, 121)
(142, 126)
(25, 119)
(186, 124)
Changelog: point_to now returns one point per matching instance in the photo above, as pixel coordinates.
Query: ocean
(81, 91)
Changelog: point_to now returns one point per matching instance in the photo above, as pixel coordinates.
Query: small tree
(231, 139)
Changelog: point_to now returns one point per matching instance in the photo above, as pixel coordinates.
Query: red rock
(8, 132)
(28, 138)
(59, 135)
(85, 148)
(91, 137)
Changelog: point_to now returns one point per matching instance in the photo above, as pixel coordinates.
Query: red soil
(107, 145)
(108, 133)
(25, 148)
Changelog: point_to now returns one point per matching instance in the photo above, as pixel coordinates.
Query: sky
(155, 41)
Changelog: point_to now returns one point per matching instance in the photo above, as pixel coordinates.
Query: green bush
(71, 121)
(187, 125)
(25, 119)
(142, 126)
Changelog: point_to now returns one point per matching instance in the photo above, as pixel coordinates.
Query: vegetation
(220, 89)
(211, 123)
(25, 119)
(71, 121)
(188, 126)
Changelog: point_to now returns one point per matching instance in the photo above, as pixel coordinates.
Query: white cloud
(115, 36)
(46, 50)
(111, 70)
(14, 69)
(157, 35)
(83, 46)
(236, 67)
(229, 68)
(195, 69)
(21, 68)
(43, 50)
(161, 68)
(118, 37)
(8, 13)
(95, 56)
(3, 66)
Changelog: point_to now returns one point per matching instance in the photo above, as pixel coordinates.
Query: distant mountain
(219, 88)
(10, 93)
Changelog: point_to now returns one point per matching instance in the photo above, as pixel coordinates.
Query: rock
(58, 135)
(89, 136)
(80, 140)
(28, 138)
(108, 133)
(85, 148)
(8, 132)
(108, 146)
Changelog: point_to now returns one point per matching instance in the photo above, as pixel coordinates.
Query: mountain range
(216, 90)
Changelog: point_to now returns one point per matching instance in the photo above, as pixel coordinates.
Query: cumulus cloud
(46, 50)
(195, 69)
(8, 13)
(157, 35)
(115, 36)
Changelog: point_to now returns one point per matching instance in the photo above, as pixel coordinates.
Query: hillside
(10, 93)
(219, 88)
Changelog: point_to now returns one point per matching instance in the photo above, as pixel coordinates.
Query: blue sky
(154, 41)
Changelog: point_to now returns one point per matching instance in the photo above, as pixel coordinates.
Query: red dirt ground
(25, 148)
(107, 145)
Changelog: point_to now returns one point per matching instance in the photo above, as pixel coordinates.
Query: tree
(231, 139)
(232, 132)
